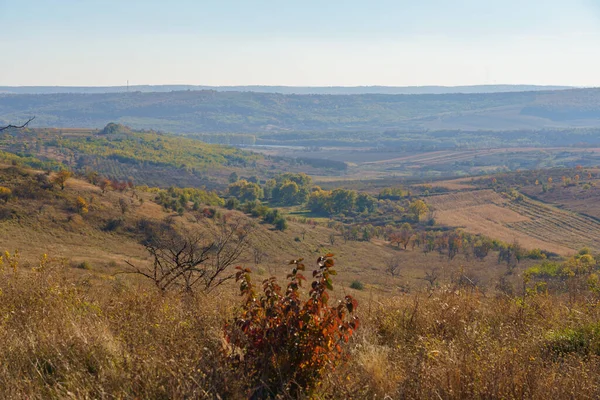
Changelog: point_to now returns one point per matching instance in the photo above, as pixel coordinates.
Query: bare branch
(15, 126)
(184, 259)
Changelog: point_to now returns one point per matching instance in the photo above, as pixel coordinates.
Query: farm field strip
(555, 225)
(444, 156)
(529, 221)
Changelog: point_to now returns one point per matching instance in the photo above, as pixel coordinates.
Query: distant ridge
(278, 115)
(335, 90)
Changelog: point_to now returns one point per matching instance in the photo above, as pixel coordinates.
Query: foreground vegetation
(63, 338)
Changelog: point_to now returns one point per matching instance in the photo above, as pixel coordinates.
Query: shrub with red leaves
(284, 343)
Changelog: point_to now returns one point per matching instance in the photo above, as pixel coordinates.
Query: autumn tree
(5, 194)
(81, 205)
(405, 234)
(290, 189)
(365, 203)
(103, 184)
(233, 177)
(418, 208)
(62, 177)
(319, 202)
(455, 243)
(431, 277)
(92, 177)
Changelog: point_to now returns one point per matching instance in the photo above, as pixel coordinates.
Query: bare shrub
(184, 259)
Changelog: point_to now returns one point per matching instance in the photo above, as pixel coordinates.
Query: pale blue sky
(290, 42)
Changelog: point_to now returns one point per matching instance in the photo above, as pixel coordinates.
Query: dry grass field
(50, 226)
(73, 329)
(533, 224)
(452, 184)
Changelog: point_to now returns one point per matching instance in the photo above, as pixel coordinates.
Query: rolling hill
(261, 113)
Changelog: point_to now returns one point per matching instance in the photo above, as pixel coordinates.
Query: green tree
(343, 200)
(319, 202)
(233, 177)
(365, 203)
(288, 193)
(245, 191)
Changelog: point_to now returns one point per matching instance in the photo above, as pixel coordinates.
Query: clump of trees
(245, 191)
(269, 215)
(288, 189)
(340, 201)
(182, 199)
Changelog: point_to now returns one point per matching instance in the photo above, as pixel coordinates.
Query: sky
(299, 43)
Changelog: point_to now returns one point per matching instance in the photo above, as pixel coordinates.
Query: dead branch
(188, 259)
(15, 126)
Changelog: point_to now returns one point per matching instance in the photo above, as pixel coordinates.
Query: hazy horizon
(308, 43)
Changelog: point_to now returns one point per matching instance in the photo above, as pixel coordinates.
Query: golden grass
(452, 184)
(83, 333)
(121, 339)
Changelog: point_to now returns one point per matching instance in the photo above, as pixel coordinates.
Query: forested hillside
(212, 111)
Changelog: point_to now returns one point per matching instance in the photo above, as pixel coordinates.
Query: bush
(582, 340)
(84, 265)
(272, 215)
(546, 270)
(113, 224)
(536, 254)
(232, 203)
(5, 194)
(287, 343)
(6, 213)
(280, 224)
(358, 285)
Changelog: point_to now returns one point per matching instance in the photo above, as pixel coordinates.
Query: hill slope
(213, 111)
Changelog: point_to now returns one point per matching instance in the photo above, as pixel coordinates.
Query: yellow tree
(61, 178)
(81, 205)
(5, 193)
(418, 208)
